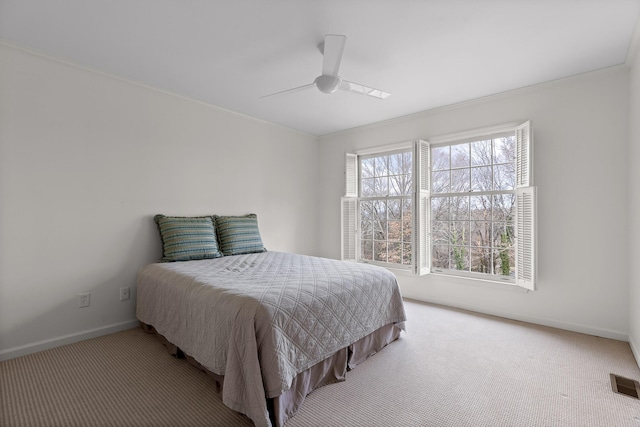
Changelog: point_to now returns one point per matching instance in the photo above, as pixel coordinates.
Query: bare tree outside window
(473, 206)
(449, 206)
(386, 207)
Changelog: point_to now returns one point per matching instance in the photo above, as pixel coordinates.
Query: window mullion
(474, 193)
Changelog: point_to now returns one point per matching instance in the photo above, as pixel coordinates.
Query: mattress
(262, 319)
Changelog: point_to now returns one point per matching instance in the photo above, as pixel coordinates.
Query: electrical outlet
(125, 294)
(83, 300)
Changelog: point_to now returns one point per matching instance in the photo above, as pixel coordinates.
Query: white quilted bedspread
(260, 319)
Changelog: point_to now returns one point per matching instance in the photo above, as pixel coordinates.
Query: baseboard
(35, 347)
(574, 327)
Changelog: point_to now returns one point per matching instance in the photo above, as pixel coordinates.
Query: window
(462, 205)
(386, 207)
(473, 207)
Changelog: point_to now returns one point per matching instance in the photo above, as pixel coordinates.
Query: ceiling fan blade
(363, 90)
(332, 54)
(295, 89)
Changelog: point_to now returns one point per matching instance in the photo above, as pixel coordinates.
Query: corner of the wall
(634, 46)
(35, 347)
(635, 350)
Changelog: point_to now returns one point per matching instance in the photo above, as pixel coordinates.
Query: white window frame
(391, 150)
(350, 203)
(525, 221)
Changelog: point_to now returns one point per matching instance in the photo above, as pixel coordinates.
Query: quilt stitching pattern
(293, 310)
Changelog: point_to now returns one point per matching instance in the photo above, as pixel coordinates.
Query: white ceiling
(229, 53)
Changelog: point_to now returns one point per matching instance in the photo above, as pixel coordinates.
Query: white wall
(86, 160)
(580, 128)
(634, 208)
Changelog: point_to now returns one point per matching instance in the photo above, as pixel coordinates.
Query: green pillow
(239, 234)
(187, 238)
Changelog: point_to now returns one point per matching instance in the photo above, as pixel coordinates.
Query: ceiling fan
(329, 81)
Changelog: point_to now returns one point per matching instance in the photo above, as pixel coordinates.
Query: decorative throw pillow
(239, 234)
(187, 238)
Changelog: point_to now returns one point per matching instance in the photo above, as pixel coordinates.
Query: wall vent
(625, 386)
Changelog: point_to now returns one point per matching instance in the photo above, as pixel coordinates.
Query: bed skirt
(331, 370)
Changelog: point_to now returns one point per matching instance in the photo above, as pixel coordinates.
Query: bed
(262, 320)
(270, 327)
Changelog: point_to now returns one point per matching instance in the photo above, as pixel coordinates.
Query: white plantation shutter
(349, 210)
(349, 221)
(524, 176)
(351, 175)
(525, 242)
(525, 210)
(421, 209)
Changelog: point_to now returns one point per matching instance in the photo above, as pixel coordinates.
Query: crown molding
(476, 101)
(27, 50)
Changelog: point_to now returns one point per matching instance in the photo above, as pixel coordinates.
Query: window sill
(474, 281)
(402, 270)
(458, 280)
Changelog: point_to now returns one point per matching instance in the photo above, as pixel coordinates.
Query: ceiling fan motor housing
(327, 84)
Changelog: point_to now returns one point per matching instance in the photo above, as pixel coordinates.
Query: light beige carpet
(452, 368)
